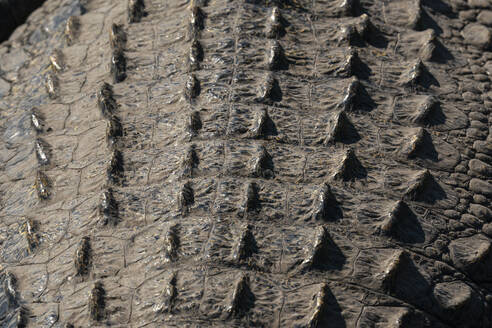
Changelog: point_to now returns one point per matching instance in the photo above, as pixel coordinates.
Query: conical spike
(197, 21)
(115, 167)
(72, 29)
(172, 243)
(43, 186)
(37, 121)
(350, 167)
(242, 299)
(260, 124)
(136, 10)
(428, 51)
(106, 102)
(41, 149)
(117, 37)
(97, 302)
(28, 229)
(192, 87)
(315, 319)
(118, 66)
(82, 257)
(275, 24)
(113, 130)
(22, 317)
(52, 85)
(324, 204)
(365, 27)
(108, 209)
(415, 16)
(10, 287)
(351, 97)
(413, 76)
(397, 214)
(348, 7)
(195, 55)
(106, 90)
(202, 3)
(350, 64)
(425, 110)
(416, 143)
(56, 61)
(195, 123)
(170, 293)
(186, 198)
(419, 185)
(391, 270)
(432, 49)
(340, 129)
(246, 245)
(252, 198)
(319, 250)
(276, 57)
(263, 164)
(190, 161)
(269, 89)
(348, 35)
(404, 319)
(275, 16)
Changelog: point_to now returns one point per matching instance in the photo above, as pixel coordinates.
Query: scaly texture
(247, 163)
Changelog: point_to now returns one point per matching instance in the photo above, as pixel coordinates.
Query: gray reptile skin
(241, 163)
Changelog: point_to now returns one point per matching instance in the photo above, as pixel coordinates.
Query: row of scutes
(117, 38)
(293, 170)
(190, 161)
(108, 208)
(340, 130)
(43, 185)
(325, 206)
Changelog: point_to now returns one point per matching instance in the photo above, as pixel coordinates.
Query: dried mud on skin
(247, 163)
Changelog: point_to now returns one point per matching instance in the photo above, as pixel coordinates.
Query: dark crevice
(14, 13)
